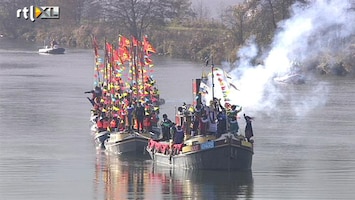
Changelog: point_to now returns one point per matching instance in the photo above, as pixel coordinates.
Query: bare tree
(272, 13)
(238, 19)
(10, 25)
(70, 11)
(92, 11)
(201, 11)
(138, 15)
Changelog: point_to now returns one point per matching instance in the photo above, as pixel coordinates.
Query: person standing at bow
(129, 115)
(166, 124)
(140, 113)
(179, 135)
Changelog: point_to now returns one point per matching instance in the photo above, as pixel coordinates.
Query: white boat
(290, 78)
(52, 50)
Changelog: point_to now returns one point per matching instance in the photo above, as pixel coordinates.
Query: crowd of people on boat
(118, 109)
(123, 112)
(213, 119)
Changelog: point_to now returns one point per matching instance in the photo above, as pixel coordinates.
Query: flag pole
(212, 68)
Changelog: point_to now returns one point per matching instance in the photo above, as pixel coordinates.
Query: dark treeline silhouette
(175, 27)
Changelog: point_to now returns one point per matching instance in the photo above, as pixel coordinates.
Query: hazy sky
(215, 6)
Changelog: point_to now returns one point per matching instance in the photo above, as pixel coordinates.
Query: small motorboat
(296, 79)
(52, 50)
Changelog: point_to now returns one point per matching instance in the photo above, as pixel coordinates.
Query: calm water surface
(47, 152)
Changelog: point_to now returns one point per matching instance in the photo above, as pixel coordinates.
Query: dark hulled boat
(205, 152)
(125, 143)
(52, 50)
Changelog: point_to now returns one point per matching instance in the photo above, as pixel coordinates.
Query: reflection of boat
(121, 177)
(204, 184)
(127, 177)
(290, 78)
(52, 50)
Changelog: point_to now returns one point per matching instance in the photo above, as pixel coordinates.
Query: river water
(47, 151)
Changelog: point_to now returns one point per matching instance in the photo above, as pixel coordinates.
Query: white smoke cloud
(304, 34)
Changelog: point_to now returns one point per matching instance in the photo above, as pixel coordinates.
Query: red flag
(123, 41)
(135, 42)
(147, 60)
(108, 47)
(95, 46)
(124, 54)
(148, 48)
(115, 55)
(108, 50)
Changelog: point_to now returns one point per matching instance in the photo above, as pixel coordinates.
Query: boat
(223, 149)
(296, 79)
(124, 96)
(51, 50)
(294, 76)
(126, 143)
(227, 152)
(100, 136)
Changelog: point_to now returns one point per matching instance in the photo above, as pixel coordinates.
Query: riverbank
(176, 47)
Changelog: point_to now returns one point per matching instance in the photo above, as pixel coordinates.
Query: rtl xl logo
(42, 12)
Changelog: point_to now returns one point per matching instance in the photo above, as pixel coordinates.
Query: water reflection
(137, 178)
(182, 184)
(121, 177)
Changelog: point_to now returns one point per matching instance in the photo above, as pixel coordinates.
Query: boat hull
(52, 51)
(100, 138)
(296, 79)
(211, 155)
(127, 144)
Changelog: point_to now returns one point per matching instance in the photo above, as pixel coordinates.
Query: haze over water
(47, 152)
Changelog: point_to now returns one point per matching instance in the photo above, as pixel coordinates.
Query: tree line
(175, 27)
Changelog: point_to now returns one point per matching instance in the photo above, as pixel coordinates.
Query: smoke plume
(307, 33)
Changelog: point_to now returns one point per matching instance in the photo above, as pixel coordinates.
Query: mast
(135, 71)
(212, 68)
(97, 61)
(132, 71)
(142, 66)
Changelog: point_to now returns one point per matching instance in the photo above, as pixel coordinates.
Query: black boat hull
(131, 145)
(232, 155)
